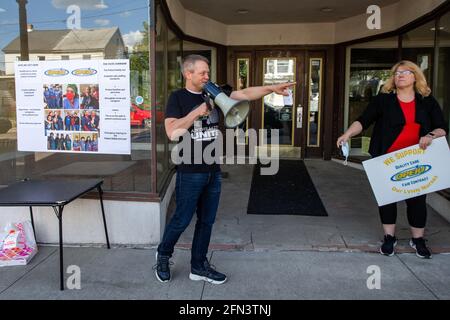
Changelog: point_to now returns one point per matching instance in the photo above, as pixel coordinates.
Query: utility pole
(24, 52)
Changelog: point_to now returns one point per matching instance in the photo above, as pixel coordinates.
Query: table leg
(59, 213)
(32, 222)
(100, 193)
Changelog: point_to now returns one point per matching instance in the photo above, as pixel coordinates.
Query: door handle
(299, 116)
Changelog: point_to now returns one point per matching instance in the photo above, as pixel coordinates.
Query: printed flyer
(79, 106)
(409, 172)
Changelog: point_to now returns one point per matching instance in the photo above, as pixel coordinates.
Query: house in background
(68, 45)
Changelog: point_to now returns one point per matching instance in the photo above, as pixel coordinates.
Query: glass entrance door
(280, 116)
(278, 109)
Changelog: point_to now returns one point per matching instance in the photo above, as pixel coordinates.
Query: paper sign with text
(409, 172)
(76, 106)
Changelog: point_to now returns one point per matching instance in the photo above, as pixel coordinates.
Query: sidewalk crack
(343, 240)
(29, 271)
(418, 279)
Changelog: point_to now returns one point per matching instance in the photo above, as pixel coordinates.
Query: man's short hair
(190, 60)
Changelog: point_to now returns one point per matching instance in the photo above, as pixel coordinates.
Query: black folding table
(51, 193)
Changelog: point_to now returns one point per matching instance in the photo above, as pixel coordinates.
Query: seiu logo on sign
(411, 172)
(56, 72)
(84, 72)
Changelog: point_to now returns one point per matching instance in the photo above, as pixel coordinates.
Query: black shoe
(162, 269)
(421, 249)
(207, 273)
(387, 248)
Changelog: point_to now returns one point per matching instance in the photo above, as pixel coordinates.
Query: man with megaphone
(198, 183)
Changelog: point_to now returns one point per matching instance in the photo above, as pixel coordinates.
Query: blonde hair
(420, 85)
(190, 60)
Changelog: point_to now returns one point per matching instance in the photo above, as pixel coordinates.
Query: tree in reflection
(139, 64)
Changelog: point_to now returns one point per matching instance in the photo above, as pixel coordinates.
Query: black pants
(416, 209)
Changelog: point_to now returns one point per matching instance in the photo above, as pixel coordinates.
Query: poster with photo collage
(80, 106)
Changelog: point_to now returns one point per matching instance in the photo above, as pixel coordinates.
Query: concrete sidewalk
(353, 223)
(253, 275)
(266, 257)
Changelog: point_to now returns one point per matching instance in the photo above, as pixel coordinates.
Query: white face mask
(345, 148)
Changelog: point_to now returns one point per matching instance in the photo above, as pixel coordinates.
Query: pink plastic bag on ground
(15, 238)
(17, 244)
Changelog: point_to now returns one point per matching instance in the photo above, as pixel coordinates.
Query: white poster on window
(79, 106)
(409, 172)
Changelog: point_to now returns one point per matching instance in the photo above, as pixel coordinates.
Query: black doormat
(290, 191)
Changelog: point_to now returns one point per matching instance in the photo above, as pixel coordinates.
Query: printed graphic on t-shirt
(205, 134)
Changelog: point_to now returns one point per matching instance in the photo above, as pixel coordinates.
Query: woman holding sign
(405, 113)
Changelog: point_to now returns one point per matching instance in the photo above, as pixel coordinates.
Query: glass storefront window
(368, 68)
(442, 87)
(168, 79)
(418, 47)
(78, 30)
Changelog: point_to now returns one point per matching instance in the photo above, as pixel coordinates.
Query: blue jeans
(195, 192)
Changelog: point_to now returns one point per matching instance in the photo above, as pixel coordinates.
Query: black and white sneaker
(162, 268)
(387, 248)
(421, 249)
(207, 273)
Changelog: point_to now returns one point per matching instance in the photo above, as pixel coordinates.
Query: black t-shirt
(203, 133)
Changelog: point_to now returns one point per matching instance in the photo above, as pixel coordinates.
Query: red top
(410, 133)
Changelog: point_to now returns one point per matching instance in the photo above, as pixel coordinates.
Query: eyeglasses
(404, 72)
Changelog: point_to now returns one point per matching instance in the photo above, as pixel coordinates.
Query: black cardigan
(385, 111)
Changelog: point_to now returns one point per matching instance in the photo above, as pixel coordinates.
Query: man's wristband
(431, 134)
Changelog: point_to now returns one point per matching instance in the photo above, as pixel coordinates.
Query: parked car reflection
(139, 117)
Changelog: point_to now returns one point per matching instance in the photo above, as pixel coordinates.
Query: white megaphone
(235, 111)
